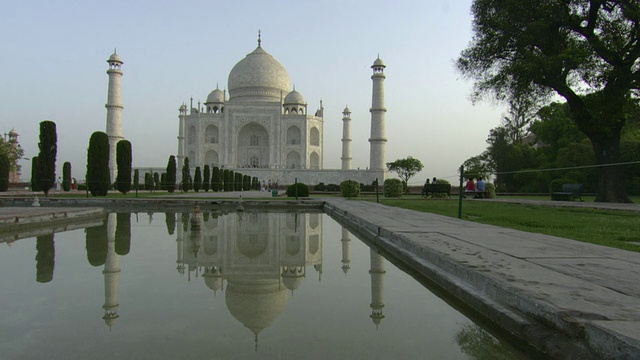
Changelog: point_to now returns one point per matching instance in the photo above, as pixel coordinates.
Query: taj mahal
(262, 127)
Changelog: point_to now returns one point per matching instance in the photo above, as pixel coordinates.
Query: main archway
(253, 146)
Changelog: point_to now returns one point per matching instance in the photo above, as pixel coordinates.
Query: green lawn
(612, 228)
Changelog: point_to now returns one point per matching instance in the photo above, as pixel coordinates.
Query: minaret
(378, 111)
(377, 287)
(346, 139)
(346, 257)
(114, 111)
(111, 274)
(181, 129)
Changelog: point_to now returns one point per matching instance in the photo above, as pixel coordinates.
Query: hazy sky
(54, 66)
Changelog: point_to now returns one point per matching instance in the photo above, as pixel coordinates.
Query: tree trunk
(611, 180)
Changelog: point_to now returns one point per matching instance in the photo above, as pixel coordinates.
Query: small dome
(346, 110)
(258, 75)
(378, 63)
(294, 98)
(216, 96)
(13, 133)
(114, 58)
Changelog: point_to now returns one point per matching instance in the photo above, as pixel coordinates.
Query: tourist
(425, 189)
(470, 187)
(480, 188)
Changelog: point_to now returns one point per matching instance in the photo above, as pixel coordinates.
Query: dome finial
(259, 39)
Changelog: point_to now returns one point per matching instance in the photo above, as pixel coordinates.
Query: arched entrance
(253, 146)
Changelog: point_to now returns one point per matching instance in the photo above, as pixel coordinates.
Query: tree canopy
(586, 51)
(406, 168)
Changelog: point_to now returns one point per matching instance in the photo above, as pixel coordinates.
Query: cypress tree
(123, 158)
(232, 178)
(225, 180)
(48, 146)
(186, 176)
(34, 174)
(66, 176)
(206, 177)
(98, 178)
(237, 182)
(215, 179)
(148, 182)
(136, 179)
(197, 180)
(156, 181)
(163, 181)
(5, 165)
(171, 174)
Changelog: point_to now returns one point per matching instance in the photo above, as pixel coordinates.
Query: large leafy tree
(12, 150)
(98, 176)
(586, 51)
(48, 146)
(123, 160)
(406, 168)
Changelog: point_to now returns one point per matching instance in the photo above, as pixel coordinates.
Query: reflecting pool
(212, 285)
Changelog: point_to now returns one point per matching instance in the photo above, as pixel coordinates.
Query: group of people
(476, 189)
(269, 186)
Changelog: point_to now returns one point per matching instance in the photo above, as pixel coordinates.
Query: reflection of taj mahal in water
(257, 259)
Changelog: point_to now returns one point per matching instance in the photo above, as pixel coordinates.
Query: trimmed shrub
(491, 190)
(98, 177)
(34, 174)
(226, 180)
(206, 178)
(197, 180)
(349, 188)
(48, 146)
(320, 187)
(237, 182)
(170, 184)
(333, 187)
(5, 165)
(136, 179)
(123, 159)
(302, 190)
(392, 188)
(441, 195)
(66, 176)
(216, 182)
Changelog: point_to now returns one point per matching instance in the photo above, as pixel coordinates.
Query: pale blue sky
(54, 66)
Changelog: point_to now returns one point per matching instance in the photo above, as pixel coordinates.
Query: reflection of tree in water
(45, 258)
(97, 243)
(123, 233)
(170, 220)
(480, 345)
(185, 221)
(205, 216)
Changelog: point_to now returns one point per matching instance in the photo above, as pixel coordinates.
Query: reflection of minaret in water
(180, 241)
(377, 287)
(111, 274)
(346, 242)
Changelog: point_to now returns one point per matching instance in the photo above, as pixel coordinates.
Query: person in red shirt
(470, 187)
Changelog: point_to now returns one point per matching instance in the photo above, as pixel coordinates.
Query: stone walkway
(568, 298)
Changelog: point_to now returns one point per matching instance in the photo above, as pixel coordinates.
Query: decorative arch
(293, 135)
(211, 134)
(314, 244)
(314, 137)
(314, 160)
(253, 146)
(211, 158)
(293, 160)
(192, 135)
(314, 221)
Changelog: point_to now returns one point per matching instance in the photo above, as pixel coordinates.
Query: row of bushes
(352, 188)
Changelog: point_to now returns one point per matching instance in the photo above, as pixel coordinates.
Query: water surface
(238, 285)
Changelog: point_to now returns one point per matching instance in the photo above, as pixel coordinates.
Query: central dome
(259, 77)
